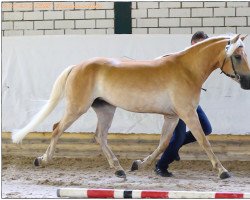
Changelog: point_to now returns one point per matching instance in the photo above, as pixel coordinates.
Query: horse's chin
(245, 82)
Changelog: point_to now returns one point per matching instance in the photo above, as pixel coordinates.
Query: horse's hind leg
(71, 114)
(105, 113)
(79, 90)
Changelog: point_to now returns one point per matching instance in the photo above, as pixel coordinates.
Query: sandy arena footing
(21, 179)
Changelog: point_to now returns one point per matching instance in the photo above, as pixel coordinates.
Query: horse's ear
(243, 37)
(234, 39)
(233, 45)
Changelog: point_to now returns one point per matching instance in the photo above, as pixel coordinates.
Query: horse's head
(235, 64)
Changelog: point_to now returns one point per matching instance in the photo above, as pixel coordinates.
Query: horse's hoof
(224, 175)
(37, 162)
(120, 174)
(135, 166)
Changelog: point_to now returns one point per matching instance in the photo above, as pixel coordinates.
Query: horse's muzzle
(245, 82)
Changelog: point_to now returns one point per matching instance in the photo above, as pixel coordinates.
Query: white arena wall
(31, 64)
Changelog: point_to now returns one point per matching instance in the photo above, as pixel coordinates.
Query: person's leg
(205, 124)
(171, 151)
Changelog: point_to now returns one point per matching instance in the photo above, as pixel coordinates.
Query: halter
(236, 75)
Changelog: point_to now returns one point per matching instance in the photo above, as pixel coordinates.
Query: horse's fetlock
(116, 162)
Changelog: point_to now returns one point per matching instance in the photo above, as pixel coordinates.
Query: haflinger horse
(169, 85)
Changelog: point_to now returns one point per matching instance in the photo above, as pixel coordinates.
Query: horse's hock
(128, 146)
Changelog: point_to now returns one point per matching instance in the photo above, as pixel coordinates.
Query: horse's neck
(204, 59)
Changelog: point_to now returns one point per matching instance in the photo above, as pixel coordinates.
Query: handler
(180, 136)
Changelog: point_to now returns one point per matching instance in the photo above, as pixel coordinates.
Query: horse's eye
(238, 57)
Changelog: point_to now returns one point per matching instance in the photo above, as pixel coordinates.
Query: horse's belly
(151, 102)
(142, 89)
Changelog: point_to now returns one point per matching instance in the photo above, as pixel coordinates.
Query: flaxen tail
(56, 95)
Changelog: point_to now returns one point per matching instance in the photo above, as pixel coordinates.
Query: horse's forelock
(230, 48)
(241, 44)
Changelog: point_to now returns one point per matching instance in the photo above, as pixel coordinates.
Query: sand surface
(21, 179)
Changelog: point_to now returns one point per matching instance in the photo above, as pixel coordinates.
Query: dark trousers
(181, 137)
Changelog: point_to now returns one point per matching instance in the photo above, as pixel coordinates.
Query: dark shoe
(163, 172)
(177, 158)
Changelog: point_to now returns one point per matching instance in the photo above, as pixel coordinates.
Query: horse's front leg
(192, 121)
(169, 125)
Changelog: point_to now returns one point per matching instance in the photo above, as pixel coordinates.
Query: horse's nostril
(245, 82)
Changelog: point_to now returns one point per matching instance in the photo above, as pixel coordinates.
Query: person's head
(198, 36)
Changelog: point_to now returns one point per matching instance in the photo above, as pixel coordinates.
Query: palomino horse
(169, 85)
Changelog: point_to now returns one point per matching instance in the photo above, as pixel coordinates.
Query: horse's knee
(206, 144)
(56, 132)
(162, 146)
